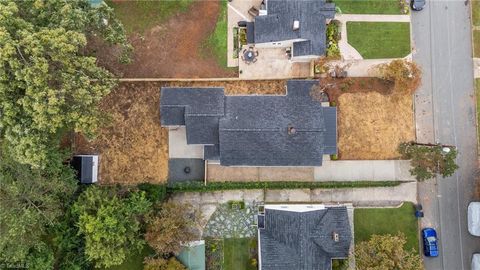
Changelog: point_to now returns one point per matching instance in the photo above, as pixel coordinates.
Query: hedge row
(216, 186)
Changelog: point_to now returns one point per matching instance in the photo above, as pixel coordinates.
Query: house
(296, 24)
(303, 237)
(287, 130)
(86, 167)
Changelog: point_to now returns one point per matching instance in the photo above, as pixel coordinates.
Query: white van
(474, 218)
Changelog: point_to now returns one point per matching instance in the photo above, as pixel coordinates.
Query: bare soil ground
(170, 49)
(133, 147)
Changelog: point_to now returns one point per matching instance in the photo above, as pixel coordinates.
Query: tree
(386, 252)
(31, 201)
(47, 86)
(163, 264)
(169, 228)
(428, 160)
(110, 224)
(405, 75)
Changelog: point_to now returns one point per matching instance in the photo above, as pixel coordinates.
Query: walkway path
(373, 170)
(476, 67)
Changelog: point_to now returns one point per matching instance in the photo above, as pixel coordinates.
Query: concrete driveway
(445, 112)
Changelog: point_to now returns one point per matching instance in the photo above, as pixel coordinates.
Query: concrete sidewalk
(476, 67)
(376, 196)
(372, 170)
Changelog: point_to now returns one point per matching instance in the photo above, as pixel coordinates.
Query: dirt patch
(372, 125)
(133, 147)
(170, 49)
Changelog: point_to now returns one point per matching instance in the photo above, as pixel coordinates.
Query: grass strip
(369, 6)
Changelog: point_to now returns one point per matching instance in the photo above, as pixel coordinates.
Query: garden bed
(376, 40)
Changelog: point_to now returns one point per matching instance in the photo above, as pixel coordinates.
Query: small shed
(86, 167)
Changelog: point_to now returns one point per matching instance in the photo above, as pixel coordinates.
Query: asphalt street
(445, 113)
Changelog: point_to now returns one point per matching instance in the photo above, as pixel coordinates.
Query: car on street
(430, 243)
(418, 5)
(473, 218)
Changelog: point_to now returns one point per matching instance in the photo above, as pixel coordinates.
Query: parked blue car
(430, 243)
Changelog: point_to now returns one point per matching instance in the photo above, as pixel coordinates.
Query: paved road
(445, 112)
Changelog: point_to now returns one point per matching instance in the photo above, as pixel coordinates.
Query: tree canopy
(47, 84)
(110, 224)
(31, 200)
(386, 252)
(429, 160)
(170, 227)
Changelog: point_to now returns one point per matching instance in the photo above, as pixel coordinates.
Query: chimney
(296, 25)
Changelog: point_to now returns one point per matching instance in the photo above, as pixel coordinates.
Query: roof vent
(296, 25)
(186, 170)
(336, 237)
(291, 130)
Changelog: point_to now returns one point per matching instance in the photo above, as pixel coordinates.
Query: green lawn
(476, 43)
(138, 16)
(476, 12)
(239, 252)
(369, 6)
(369, 221)
(375, 40)
(216, 43)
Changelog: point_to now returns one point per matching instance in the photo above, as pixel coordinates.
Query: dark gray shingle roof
(304, 240)
(254, 130)
(277, 25)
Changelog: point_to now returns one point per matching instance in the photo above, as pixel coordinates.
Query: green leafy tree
(429, 160)
(47, 85)
(110, 224)
(169, 228)
(31, 201)
(386, 252)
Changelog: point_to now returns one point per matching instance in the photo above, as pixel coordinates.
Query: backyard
(370, 221)
(375, 40)
(169, 39)
(369, 6)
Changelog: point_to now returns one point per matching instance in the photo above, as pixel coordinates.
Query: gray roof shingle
(277, 25)
(304, 240)
(254, 130)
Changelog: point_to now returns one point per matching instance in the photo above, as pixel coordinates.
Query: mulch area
(171, 49)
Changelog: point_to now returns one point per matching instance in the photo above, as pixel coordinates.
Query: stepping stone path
(231, 222)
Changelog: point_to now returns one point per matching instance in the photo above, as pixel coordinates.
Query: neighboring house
(286, 130)
(298, 24)
(303, 237)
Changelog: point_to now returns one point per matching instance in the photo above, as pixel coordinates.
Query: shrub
(216, 186)
(154, 193)
(405, 75)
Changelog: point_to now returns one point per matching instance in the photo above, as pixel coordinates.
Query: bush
(154, 193)
(333, 36)
(405, 75)
(215, 186)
